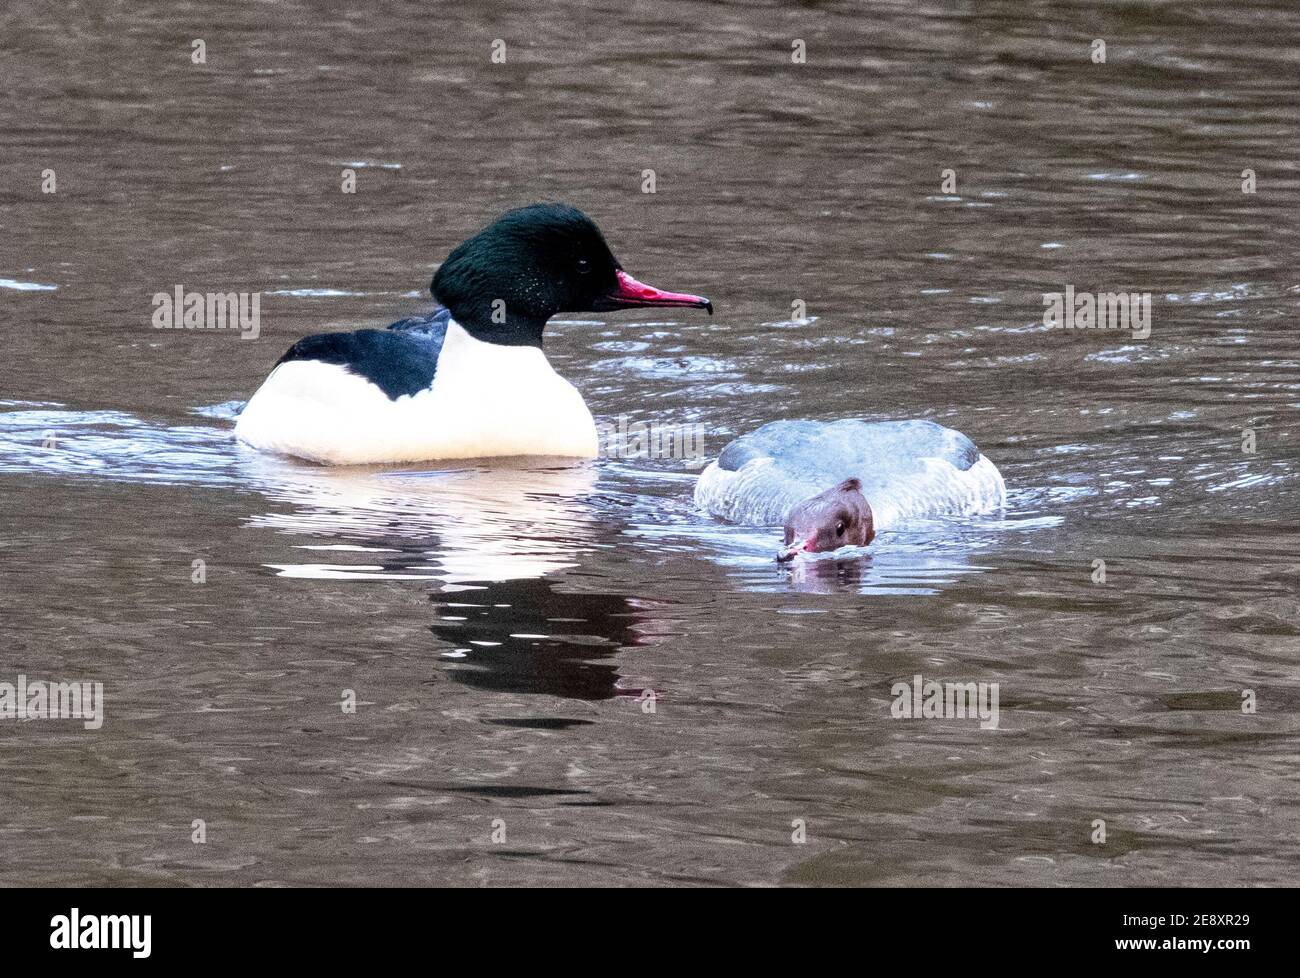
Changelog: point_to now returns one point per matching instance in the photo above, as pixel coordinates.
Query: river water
(568, 674)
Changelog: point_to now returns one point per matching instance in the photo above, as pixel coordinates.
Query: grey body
(906, 469)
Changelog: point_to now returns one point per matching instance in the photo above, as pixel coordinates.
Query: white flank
(485, 401)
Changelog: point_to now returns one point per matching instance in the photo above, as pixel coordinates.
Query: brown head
(838, 517)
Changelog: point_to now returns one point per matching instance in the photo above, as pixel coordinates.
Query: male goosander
(469, 380)
(881, 474)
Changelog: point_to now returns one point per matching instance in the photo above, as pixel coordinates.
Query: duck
(469, 379)
(836, 484)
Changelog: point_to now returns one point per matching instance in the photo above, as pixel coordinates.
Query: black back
(400, 360)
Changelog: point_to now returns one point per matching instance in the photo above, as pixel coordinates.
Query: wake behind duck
(835, 484)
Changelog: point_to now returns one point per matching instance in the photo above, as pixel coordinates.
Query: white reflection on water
(508, 520)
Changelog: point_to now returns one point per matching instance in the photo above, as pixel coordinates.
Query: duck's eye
(839, 528)
(584, 266)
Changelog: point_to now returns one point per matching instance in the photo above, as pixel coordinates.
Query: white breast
(485, 400)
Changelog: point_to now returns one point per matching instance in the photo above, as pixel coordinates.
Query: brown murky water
(500, 625)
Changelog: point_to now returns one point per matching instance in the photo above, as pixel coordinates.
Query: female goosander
(469, 380)
(880, 474)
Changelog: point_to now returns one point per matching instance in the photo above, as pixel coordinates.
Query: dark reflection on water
(776, 182)
(528, 637)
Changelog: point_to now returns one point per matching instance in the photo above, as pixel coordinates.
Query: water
(500, 626)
